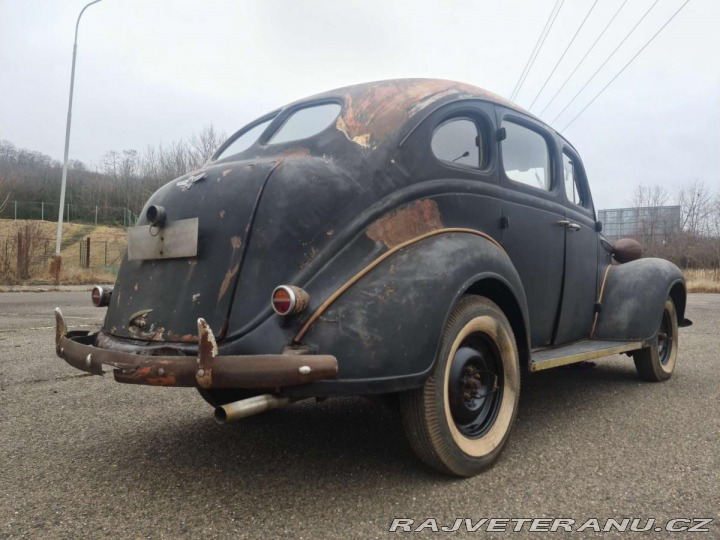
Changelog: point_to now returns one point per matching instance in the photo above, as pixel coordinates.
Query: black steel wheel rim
(665, 339)
(475, 385)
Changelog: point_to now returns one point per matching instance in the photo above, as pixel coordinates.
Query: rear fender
(386, 328)
(633, 299)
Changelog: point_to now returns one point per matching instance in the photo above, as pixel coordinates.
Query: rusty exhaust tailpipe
(248, 407)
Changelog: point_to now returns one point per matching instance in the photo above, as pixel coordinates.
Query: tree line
(694, 242)
(124, 178)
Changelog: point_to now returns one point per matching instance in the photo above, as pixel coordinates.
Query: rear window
(306, 123)
(246, 140)
(458, 142)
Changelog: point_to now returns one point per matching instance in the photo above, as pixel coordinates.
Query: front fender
(386, 328)
(634, 296)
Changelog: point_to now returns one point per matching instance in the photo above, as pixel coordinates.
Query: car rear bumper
(206, 370)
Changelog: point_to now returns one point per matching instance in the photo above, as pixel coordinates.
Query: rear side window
(306, 123)
(246, 140)
(458, 142)
(525, 156)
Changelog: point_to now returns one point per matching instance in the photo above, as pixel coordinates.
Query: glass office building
(658, 223)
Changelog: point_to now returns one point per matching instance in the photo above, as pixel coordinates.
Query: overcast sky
(150, 72)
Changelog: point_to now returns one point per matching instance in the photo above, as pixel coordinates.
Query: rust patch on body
(413, 220)
(185, 338)
(386, 293)
(158, 334)
(207, 351)
(296, 151)
(374, 112)
(309, 257)
(160, 373)
(227, 279)
(361, 139)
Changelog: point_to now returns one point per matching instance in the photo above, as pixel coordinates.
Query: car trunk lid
(161, 299)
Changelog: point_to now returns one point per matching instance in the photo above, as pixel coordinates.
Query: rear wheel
(459, 421)
(657, 362)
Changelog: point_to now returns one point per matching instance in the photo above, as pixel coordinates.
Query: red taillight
(100, 297)
(287, 300)
(283, 300)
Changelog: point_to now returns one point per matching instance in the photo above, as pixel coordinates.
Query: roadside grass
(703, 280)
(44, 248)
(72, 232)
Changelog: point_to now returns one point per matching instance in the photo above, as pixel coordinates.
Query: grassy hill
(107, 245)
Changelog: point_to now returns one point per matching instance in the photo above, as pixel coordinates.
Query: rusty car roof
(373, 111)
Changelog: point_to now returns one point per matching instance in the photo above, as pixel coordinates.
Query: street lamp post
(67, 135)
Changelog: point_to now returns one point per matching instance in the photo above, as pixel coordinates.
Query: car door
(532, 209)
(581, 252)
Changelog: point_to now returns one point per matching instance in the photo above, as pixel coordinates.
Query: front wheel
(657, 362)
(459, 421)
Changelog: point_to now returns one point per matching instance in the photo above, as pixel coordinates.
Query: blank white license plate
(177, 239)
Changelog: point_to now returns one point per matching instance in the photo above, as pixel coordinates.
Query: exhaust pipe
(249, 407)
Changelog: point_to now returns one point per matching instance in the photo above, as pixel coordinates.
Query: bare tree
(650, 196)
(8, 152)
(715, 232)
(111, 163)
(204, 144)
(128, 175)
(4, 196)
(649, 200)
(696, 201)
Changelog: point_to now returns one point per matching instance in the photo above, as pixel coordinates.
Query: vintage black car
(418, 238)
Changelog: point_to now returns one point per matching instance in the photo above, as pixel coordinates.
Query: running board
(579, 351)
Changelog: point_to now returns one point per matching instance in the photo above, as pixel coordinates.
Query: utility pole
(67, 135)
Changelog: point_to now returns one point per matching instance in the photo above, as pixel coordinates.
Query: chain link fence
(28, 255)
(101, 254)
(112, 216)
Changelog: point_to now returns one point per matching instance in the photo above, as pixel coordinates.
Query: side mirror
(598, 226)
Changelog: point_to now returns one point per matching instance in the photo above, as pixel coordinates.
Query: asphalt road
(85, 457)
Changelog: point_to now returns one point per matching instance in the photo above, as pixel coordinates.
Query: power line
(584, 57)
(564, 53)
(605, 62)
(626, 65)
(535, 51)
(538, 45)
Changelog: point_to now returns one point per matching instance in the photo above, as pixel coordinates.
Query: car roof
(375, 111)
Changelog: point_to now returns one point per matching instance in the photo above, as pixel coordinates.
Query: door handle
(569, 225)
